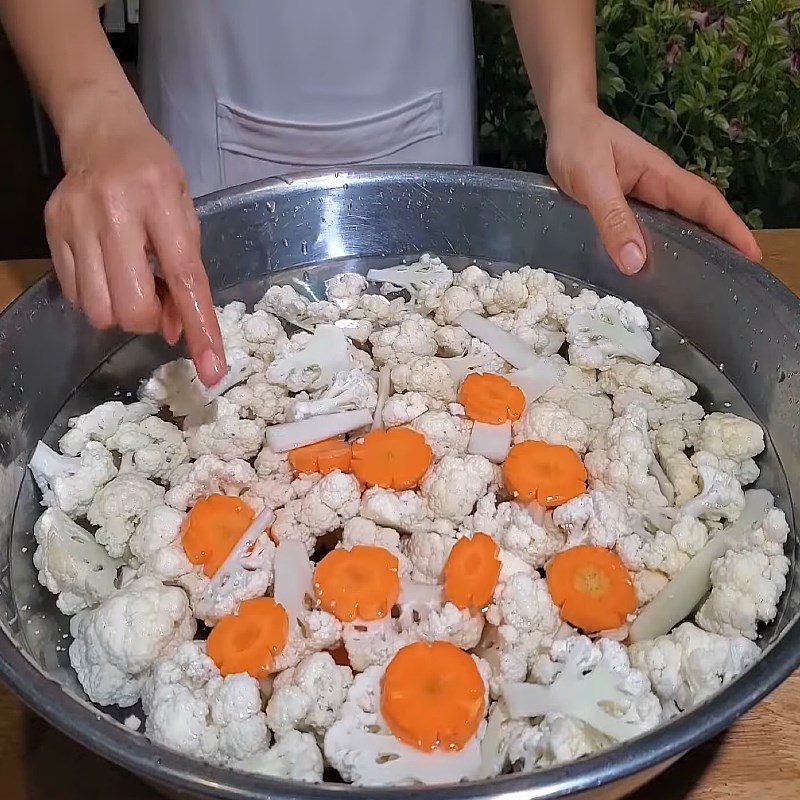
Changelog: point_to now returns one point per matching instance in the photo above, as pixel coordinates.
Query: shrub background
(717, 86)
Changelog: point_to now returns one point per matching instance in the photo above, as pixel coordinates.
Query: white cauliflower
(116, 644)
(274, 484)
(671, 441)
(452, 340)
(371, 644)
(360, 530)
(745, 589)
(350, 390)
(345, 290)
(262, 335)
(309, 696)
(729, 436)
(156, 544)
(659, 412)
(425, 280)
(427, 552)
(120, 506)
(662, 383)
(333, 500)
(647, 585)
(400, 409)
(379, 310)
(453, 303)
(443, 432)
(612, 329)
(225, 434)
(454, 485)
(596, 518)
(473, 277)
(193, 710)
(556, 739)
(156, 446)
(310, 361)
(100, 423)
(207, 475)
(721, 495)
(403, 511)
(409, 339)
(745, 472)
(548, 422)
(260, 399)
(284, 302)
(690, 665)
(71, 564)
(514, 529)
(70, 483)
(427, 375)
(657, 552)
(294, 756)
(509, 292)
(313, 631)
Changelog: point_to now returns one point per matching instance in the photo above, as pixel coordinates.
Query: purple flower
(719, 23)
(701, 18)
(735, 129)
(793, 63)
(739, 55)
(673, 51)
(785, 21)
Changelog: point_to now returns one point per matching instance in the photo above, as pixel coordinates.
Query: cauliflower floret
(283, 302)
(333, 500)
(71, 564)
(403, 511)
(596, 518)
(454, 302)
(690, 665)
(308, 697)
(659, 412)
(508, 293)
(156, 544)
(116, 644)
(515, 530)
(745, 589)
(101, 422)
(193, 710)
(350, 390)
(120, 506)
(398, 344)
(262, 335)
(671, 441)
(662, 383)
(729, 436)
(310, 361)
(157, 447)
(380, 311)
(721, 495)
(473, 277)
(70, 483)
(555, 740)
(548, 422)
(359, 530)
(313, 631)
(207, 475)
(400, 409)
(459, 626)
(452, 340)
(345, 290)
(430, 376)
(294, 756)
(425, 280)
(371, 644)
(260, 399)
(225, 434)
(647, 585)
(444, 433)
(454, 485)
(427, 551)
(530, 325)
(657, 552)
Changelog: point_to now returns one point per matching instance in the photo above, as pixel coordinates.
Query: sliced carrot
(550, 474)
(592, 588)
(323, 457)
(432, 696)
(358, 583)
(491, 398)
(249, 640)
(471, 572)
(396, 458)
(212, 528)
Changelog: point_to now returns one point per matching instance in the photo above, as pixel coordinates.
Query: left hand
(598, 162)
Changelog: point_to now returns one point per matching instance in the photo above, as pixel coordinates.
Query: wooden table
(759, 757)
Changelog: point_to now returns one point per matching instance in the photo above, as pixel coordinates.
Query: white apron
(255, 88)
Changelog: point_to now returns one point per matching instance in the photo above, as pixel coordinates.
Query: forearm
(557, 41)
(63, 50)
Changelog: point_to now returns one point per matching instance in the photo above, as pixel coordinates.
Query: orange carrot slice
(592, 588)
(249, 640)
(550, 474)
(491, 398)
(323, 457)
(471, 572)
(358, 583)
(396, 458)
(212, 528)
(432, 696)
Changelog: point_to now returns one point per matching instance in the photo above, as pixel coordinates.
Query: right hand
(125, 196)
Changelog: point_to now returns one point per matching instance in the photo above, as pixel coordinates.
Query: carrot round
(471, 572)
(249, 640)
(550, 474)
(212, 528)
(396, 458)
(323, 457)
(491, 398)
(432, 696)
(358, 583)
(592, 587)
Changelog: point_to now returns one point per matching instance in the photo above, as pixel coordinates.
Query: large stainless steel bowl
(742, 332)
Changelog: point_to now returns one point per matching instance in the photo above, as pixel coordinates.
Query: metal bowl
(718, 318)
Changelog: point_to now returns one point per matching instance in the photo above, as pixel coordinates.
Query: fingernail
(631, 258)
(211, 366)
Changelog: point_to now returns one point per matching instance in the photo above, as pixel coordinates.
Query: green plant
(717, 86)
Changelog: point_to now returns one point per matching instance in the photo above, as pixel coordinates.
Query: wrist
(566, 111)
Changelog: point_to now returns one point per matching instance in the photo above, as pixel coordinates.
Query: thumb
(601, 193)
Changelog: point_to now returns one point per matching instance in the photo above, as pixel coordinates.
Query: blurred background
(716, 85)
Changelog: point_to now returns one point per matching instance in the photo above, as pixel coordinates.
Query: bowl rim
(100, 733)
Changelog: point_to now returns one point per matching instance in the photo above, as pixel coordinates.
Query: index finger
(175, 239)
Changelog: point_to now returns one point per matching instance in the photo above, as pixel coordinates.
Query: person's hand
(599, 162)
(124, 198)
